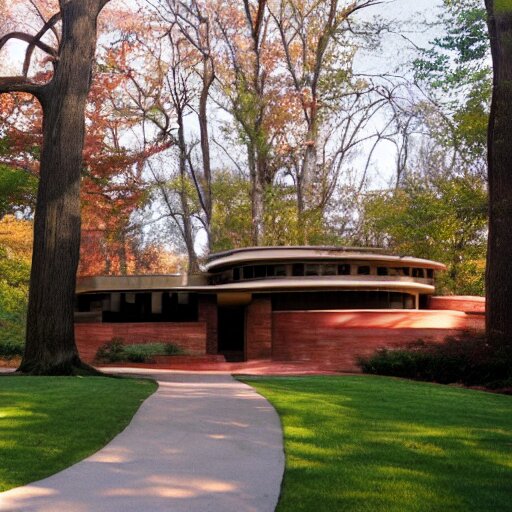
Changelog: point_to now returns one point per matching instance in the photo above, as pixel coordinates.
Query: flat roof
(293, 253)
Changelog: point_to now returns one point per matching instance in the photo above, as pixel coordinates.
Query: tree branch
(49, 25)
(21, 84)
(30, 40)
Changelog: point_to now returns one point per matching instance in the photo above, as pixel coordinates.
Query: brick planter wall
(466, 304)
(190, 336)
(336, 338)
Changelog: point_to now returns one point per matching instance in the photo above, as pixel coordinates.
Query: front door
(231, 332)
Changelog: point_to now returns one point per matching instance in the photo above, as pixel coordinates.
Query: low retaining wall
(467, 304)
(337, 338)
(190, 336)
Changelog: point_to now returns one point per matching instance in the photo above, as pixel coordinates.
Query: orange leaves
(16, 237)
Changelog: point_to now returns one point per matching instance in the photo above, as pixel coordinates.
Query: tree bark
(499, 272)
(50, 342)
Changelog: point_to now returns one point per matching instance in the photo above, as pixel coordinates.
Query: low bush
(467, 360)
(10, 349)
(116, 350)
(112, 351)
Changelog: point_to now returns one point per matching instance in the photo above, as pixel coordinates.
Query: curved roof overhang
(287, 254)
(107, 284)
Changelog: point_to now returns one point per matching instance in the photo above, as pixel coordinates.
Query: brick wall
(336, 338)
(191, 336)
(258, 329)
(467, 304)
(208, 314)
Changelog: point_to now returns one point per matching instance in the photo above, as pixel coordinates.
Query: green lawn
(378, 444)
(49, 423)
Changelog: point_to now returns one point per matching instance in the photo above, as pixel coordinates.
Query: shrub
(112, 351)
(467, 359)
(116, 350)
(170, 349)
(143, 353)
(10, 349)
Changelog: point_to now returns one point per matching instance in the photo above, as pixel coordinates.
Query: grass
(379, 444)
(49, 423)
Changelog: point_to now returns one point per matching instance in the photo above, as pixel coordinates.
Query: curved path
(203, 442)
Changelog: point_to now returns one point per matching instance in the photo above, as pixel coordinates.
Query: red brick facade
(208, 314)
(331, 338)
(339, 337)
(191, 336)
(258, 329)
(456, 303)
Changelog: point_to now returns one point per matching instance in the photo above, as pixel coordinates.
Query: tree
(442, 218)
(455, 72)
(50, 346)
(499, 276)
(311, 33)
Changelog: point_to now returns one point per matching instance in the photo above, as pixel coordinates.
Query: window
(430, 273)
(406, 271)
(329, 270)
(248, 272)
(260, 271)
(183, 298)
(279, 271)
(344, 270)
(298, 269)
(363, 270)
(417, 272)
(312, 269)
(382, 271)
(236, 274)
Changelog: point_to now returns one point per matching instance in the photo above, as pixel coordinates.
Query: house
(324, 304)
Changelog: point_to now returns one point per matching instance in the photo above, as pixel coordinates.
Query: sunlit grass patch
(49, 423)
(378, 444)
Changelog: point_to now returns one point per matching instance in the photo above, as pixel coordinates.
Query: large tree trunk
(50, 342)
(499, 274)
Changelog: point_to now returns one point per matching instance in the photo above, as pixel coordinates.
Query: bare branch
(30, 40)
(49, 25)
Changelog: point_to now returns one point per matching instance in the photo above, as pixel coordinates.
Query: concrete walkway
(203, 442)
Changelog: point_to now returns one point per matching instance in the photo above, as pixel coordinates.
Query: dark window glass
(329, 270)
(417, 272)
(363, 270)
(279, 270)
(236, 274)
(344, 270)
(329, 301)
(298, 269)
(248, 272)
(312, 269)
(260, 271)
(430, 273)
(406, 271)
(382, 271)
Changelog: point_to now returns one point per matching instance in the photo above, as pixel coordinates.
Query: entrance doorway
(231, 332)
